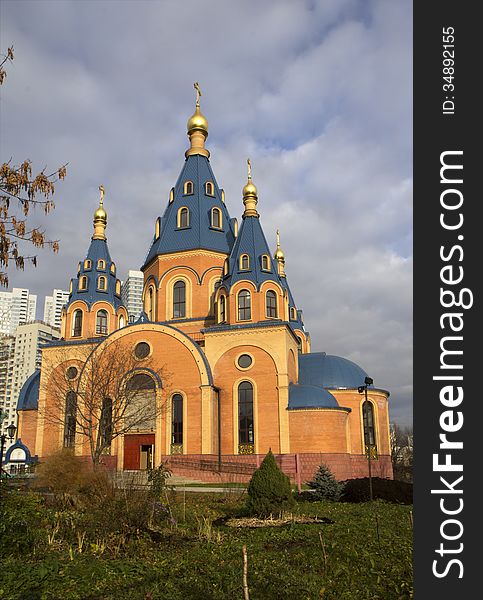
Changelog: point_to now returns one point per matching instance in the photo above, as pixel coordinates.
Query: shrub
(269, 490)
(325, 485)
(357, 490)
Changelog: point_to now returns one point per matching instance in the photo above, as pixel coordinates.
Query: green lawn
(366, 553)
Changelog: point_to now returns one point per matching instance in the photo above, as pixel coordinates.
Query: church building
(220, 356)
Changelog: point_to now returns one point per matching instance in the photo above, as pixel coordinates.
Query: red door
(133, 444)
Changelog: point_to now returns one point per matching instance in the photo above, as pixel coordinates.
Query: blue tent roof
(97, 250)
(250, 240)
(29, 394)
(199, 233)
(332, 372)
(310, 396)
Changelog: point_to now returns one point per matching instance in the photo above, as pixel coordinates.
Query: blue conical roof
(251, 241)
(98, 250)
(200, 233)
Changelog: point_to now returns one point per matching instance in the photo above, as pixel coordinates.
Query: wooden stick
(323, 550)
(245, 573)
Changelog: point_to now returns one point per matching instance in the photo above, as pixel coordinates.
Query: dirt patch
(253, 522)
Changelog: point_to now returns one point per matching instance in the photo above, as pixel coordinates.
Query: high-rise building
(16, 307)
(132, 294)
(53, 307)
(20, 356)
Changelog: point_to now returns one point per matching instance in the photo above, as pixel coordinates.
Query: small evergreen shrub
(269, 490)
(357, 490)
(325, 485)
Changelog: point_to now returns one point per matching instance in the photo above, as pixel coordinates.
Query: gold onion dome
(197, 129)
(197, 122)
(250, 195)
(100, 217)
(279, 256)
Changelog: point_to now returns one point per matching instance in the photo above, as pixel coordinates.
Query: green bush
(357, 490)
(269, 490)
(325, 485)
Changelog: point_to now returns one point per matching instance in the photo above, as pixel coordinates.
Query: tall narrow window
(106, 422)
(83, 282)
(222, 316)
(179, 300)
(87, 264)
(209, 188)
(368, 422)
(176, 423)
(122, 321)
(183, 218)
(70, 419)
(216, 218)
(101, 264)
(77, 323)
(246, 436)
(101, 322)
(271, 299)
(244, 306)
(244, 262)
(101, 283)
(150, 304)
(265, 262)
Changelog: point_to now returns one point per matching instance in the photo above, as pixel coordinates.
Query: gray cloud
(318, 94)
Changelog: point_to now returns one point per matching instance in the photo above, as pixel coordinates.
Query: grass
(365, 554)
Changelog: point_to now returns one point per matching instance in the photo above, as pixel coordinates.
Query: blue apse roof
(97, 250)
(251, 240)
(310, 396)
(200, 233)
(28, 398)
(332, 372)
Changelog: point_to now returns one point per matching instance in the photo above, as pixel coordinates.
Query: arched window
(183, 217)
(216, 218)
(179, 300)
(209, 188)
(246, 434)
(266, 262)
(368, 422)
(70, 419)
(113, 268)
(83, 282)
(244, 306)
(171, 195)
(293, 314)
(188, 188)
(139, 399)
(271, 302)
(101, 322)
(226, 267)
(105, 423)
(222, 314)
(101, 264)
(87, 264)
(176, 424)
(149, 304)
(122, 321)
(101, 283)
(77, 323)
(244, 262)
(157, 229)
(118, 287)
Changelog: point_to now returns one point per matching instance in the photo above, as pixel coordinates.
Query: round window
(245, 361)
(142, 350)
(72, 372)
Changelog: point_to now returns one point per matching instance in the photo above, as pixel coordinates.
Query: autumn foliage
(20, 190)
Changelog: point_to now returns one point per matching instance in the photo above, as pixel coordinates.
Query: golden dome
(279, 254)
(100, 214)
(250, 189)
(197, 122)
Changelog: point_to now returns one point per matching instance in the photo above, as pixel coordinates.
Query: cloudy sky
(317, 93)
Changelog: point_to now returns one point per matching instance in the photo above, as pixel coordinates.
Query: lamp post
(363, 390)
(11, 429)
